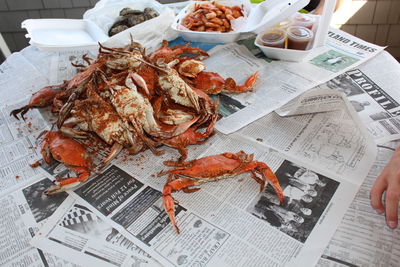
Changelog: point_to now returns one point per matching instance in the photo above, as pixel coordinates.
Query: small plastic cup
(284, 24)
(305, 20)
(298, 37)
(274, 37)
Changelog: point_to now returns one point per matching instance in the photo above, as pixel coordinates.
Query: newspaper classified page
(374, 95)
(363, 231)
(74, 232)
(226, 223)
(280, 81)
(23, 212)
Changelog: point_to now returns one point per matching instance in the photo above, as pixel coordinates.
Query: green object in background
(303, 11)
(256, 1)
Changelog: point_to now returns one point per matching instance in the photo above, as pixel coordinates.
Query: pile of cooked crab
(139, 101)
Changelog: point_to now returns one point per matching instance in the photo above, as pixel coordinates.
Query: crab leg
(115, 150)
(267, 175)
(42, 98)
(68, 183)
(190, 137)
(213, 83)
(169, 188)
(231, 87)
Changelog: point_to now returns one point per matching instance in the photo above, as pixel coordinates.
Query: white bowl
(207, 37)
(256, 18)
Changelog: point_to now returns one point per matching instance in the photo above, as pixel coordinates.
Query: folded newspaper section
(23, 212)
(281, 81)
(76, 233)
(374, 95)
(335, 141)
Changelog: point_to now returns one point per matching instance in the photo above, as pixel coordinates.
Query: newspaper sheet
(23, 212)
(76, 234)
(18, 146)
(374, 95)
(363, 239)
(128, 197)
(19, 79)
(336, 141)
(280, 81)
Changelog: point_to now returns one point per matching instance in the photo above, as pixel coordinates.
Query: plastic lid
(299, 33)
(273, 36)
(284, 24)
(303, 20)
(271, 12)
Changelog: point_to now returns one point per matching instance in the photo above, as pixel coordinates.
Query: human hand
(389, 181)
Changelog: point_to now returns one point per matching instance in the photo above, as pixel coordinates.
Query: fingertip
(379, 210)
(376, 202)
(392, 224)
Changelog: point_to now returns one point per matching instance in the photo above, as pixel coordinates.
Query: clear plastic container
(284, 24)
(305, 20)
(273, 37)
(298, 37)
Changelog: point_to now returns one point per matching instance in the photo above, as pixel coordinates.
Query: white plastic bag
(149, 33)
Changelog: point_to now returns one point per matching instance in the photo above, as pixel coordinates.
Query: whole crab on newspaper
(136, 101)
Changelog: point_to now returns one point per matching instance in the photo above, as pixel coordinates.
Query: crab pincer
(212, 169)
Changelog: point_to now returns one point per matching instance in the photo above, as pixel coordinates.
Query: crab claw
(66, 183)
(66, 110)
(231, 87)
(141, 82)
(269, 176)
(22, 110)
(169, 188)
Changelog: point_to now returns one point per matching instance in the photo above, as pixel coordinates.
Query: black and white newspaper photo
(75, 233)
(23, 213)
(373, 95)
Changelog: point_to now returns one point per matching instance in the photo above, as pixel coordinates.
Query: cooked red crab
(211, 169)
(69, 152)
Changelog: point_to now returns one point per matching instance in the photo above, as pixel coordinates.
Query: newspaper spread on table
(25, 209)
(74, 232)
(374, 95)
(280, 81)
(18, 138)
(229, 223)
(128, 196)
(363, 239)
(23, 212)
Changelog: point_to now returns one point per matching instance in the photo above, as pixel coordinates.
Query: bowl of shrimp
(220, 21)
